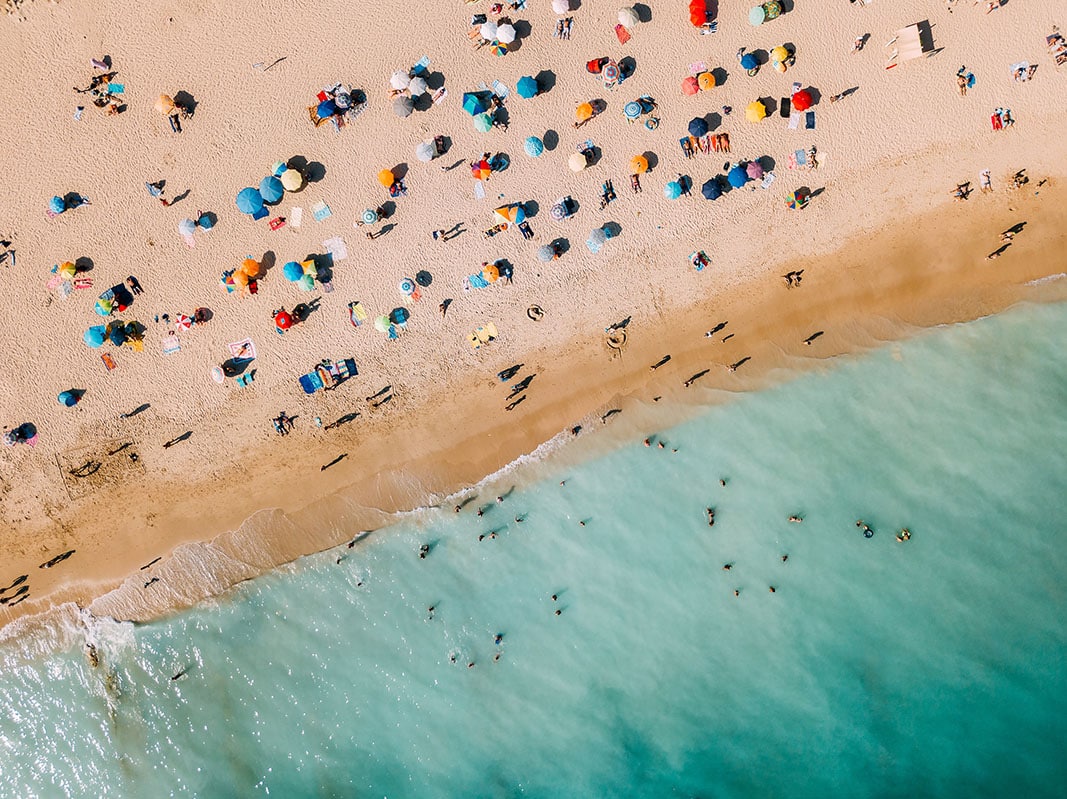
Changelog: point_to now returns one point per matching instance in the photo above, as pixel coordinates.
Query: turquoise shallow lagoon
(931, 668)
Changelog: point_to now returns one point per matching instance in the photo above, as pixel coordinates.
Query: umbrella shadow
(762, 56)
(73, 199)
(815, 95)
(267, 262)
(720, 75)
(562, 245)
(546, 81)
(612, 229)
(312, 171)
(766, 162)
(83, 264)
(770, 104)
(686, 183)
(424, 102)
(627, 67)
(446, 144)
(550, 140)
(423, 278)
(400, 171)
(593, 156)
(522, 30)
(387, 209)
(303, 310)
(653, 160)
(212, 217)
(644, 13)
(186, 101)
(531, 207)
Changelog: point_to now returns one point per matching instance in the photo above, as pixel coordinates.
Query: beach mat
(243, 350)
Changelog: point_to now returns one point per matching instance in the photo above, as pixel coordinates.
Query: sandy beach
(883, 247)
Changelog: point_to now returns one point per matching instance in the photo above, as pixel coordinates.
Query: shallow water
(876, 668)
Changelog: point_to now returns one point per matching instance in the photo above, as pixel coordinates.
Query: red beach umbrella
(802, 100)
(283, 320)
(690, 86)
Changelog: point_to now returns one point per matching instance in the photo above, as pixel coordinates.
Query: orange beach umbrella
(385, 177)
(584, 112)
(638, 165)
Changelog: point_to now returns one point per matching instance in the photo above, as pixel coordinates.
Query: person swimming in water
(796, 519)
(711, 516)
(903, 535)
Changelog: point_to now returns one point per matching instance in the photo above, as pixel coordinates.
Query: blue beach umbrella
(57, 205)
(737, 177)
(326, 109)
(748, 61)
(117, 336)
(673, 190)
(187, 227)
(249, 201)
(271, 189)
(292, 271)
(473, 104)
(277, 168)
(205, 222)
(698, 126)
(95, 336)
(483, 123)
(534, 147)
(527, 87)
(68, 398)
(711, 189)
(632, 110)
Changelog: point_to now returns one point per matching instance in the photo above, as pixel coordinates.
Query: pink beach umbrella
(690, 86)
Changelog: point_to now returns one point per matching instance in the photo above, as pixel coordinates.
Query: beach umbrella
(578, 161)
(510, 213)
(803, 100)
(249, 201)
(407, 286)
(95, 336)
(67, 398)
(698, 126)
(117, 336)
(705, 80)
(381, 323)
(779, 54)
(165, 104)
(481, 170)
(292, 271)
(250, 267)
(610, 72)
(632, 110)
(488, 30)
(558, 211)
(183, 322)
(698, 12)
(326, 109)
(369, 216)
(277, 168)
(527, 87)
(711, 189)
(748, 61)
(187, 227)
(545, 253)
(584, 111)
(291, 180)
(474, 104)
(673, 190)
(204, 222)
(597, 237)
(491, 272)
(399, 316)
(498, 48)
(796, 199)
(386, 178)
(425, 151)
(756, 16)
(534, 147)
(506, 33)
(690, 86)
(400, 80)
(271, 189)
(239, 278)
(628, 17)
(561, 6)
(218, 375)
(755, 111)
(754, 170)
(417, 86)
(67, 269)
(403, 106)
(283, 320)
(307, 283)
(483, 123)
(638, 165)
(57, 205)
(737, 177)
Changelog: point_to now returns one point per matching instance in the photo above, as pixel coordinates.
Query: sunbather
(635, 183)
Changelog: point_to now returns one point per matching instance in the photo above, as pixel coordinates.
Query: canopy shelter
(910, 42)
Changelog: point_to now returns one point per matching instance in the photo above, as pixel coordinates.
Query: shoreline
(865, 321)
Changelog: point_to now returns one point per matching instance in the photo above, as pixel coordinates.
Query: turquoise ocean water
(935, 667)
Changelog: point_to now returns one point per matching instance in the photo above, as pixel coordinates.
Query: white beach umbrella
(187, 227)
(488, 30)
(505, 33)
(561, 6)
(578, 162)
(426, 151)
(399, 81)
(628, 17)
(417, 87)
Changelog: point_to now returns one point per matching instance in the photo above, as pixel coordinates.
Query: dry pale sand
(883, 248)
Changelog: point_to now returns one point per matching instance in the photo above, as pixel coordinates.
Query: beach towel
(477, 281)
(479, 190)
(421, 67)
(357, 314)
(794, 120)
(171, 344)
(697, 67)
(245, 379)
(243, 350)
(64, 290)
(136, 343)
(439, 95)
(809, 120)
(116, 88)
(768, 179)
(109, 362)
(98, 64)
(801, 157)
(622, 33)
(321, 211)
(311, 382)
(336, 247)
(188, 239)
(486, 332)
(785, 107)
(277, 222)
(296, 216)
(500, 90)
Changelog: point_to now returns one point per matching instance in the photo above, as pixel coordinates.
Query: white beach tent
(910, 42)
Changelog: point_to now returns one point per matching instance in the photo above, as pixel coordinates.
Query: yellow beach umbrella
(385, 177)
(165, 104)
(291, 180)
(705, 80)
(491, 273)
(67, 269)
(250, 267)
(779, 54)
(638, 165)
(755, 111)
(584, 112)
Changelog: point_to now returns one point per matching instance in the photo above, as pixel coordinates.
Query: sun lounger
(479, 190)
(296, 216)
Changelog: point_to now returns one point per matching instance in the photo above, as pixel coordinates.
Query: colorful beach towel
(477, 281)
(321, 211)
(244, 350)
(357, 314)
(171, 345)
